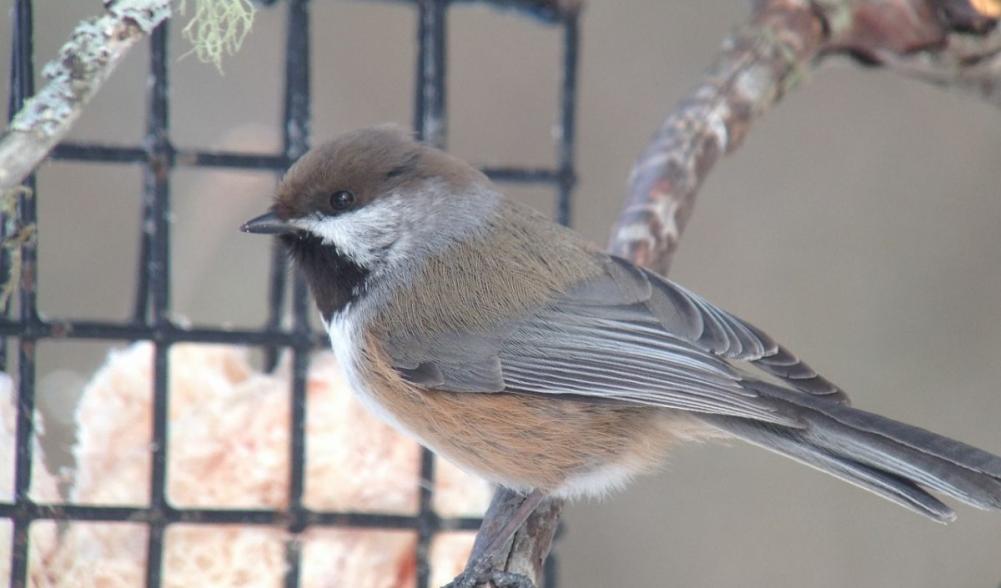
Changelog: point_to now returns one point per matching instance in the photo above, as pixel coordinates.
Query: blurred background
(860, 224)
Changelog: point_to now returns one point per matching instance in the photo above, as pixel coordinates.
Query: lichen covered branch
(758, 64)
(951, 42)
(12, 245)
(969, 64)
(93, 51)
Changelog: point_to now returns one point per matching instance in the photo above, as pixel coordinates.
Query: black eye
(342, 200)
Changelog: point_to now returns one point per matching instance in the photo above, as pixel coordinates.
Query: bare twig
(954, 42)
(758, 64)
(529, 548)
(523, 558)
(12, 245)
(977, 71)
(84, 63)
(531, 544)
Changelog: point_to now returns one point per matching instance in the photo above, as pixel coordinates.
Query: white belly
(344, 340)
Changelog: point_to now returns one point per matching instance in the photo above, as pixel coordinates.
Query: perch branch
(93, 51)
(529, 547)
(12, 245)
(953, 42)
(531, 544)
(977, 71)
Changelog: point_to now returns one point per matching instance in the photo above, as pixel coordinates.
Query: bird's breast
(523, 441)
(346, 341)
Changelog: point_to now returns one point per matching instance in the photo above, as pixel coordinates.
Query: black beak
(267, 224)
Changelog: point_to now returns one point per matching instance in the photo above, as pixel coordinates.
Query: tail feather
(788, 443)
(888, 454)
(887, 457)
(955, 452)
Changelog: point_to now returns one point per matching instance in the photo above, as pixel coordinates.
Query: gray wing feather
(719, 332)
(472, 375)
(627, 335)
(691, 317)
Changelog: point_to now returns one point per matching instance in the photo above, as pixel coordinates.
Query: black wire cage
(22, 327)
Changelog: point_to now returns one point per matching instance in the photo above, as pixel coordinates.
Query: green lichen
(13, 243)
(217, 28)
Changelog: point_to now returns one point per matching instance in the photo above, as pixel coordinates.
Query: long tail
(897, 461)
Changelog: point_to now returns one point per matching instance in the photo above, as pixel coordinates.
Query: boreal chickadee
(524, 354)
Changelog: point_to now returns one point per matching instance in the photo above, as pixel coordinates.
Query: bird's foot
(483, 573)
(511, 580)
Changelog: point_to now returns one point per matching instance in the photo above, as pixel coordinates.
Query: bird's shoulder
(516, 263)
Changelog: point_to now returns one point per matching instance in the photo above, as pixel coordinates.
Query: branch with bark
(93, 51)
(949, 42)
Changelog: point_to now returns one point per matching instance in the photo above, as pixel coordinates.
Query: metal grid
(151, 319)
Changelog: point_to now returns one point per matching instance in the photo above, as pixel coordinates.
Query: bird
(527, 355)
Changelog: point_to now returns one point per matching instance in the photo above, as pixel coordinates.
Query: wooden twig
(93, 51)
(953, 42)
(977, 71)
(12, 245)
(531, 544)
(758, 64)
(527, 552)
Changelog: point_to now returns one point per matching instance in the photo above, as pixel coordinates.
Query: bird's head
(374, 200)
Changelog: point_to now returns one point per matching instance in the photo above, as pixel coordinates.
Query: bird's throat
(335, 280)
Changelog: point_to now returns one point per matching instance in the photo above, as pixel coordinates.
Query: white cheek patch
(397, 227)
(365, 235)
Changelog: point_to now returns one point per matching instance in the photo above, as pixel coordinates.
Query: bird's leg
(493, 535)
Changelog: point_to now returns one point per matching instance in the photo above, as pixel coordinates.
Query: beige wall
(861, 225)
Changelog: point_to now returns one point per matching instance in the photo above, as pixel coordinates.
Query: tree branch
(95, 48)
(758, 64)
(972, 65)
(954, 42)
(530, 545)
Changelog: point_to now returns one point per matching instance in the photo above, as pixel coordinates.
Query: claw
(511, 580)
(482, 573)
